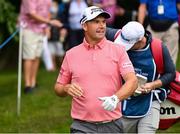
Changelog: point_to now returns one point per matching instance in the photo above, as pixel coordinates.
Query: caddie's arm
(129, 87)
(166, 77)
(169, 67)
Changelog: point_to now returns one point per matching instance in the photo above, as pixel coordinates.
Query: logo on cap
(96, 10)
(92, 12)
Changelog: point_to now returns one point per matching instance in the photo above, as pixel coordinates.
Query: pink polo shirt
(39, 7)
(98, 72)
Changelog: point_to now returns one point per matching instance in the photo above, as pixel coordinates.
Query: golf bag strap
(156, 48)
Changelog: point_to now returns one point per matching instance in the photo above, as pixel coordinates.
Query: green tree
(8, 17)
(8, 20)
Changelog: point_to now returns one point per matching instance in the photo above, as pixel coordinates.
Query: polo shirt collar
(99, 45)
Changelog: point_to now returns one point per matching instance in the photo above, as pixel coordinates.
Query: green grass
(178, 61)
(41, 111)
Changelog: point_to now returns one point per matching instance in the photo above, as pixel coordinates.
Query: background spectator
(56, 36)
(162, 17)
(109, 6)
(126, 11)
(75, 28)
(35, 14)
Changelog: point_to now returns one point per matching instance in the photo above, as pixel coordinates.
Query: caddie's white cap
(92, 12)
(131, 33)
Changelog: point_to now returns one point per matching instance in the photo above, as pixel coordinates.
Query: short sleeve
(125, 64)
(64, 76)
(30, 6)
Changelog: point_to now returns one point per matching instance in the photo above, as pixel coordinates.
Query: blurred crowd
(122, 11)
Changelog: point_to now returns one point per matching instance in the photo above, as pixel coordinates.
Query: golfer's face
(96, 28)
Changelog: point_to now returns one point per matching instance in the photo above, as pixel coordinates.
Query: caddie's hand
(55, 23)
(73, 90)
(109, 103)
(147, 87)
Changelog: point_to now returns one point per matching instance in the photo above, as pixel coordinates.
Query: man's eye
(96, 21)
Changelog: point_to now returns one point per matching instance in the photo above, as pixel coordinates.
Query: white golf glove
(109, 103)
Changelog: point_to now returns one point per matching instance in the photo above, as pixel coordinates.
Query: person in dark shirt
(141, 112)
(126, 11)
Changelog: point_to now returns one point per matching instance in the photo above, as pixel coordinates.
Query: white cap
(92, 12)
(131, 33)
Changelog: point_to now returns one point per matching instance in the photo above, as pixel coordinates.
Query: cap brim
(104, 14)
(119, 40)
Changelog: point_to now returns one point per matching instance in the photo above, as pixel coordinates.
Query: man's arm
(59, 90)
(63, 84)
(142, 13)
(45, 20)
(111, 102)
(128, 87)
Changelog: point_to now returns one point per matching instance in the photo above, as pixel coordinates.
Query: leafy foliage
(8, 19)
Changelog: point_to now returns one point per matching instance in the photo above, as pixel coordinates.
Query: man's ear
(84, 26)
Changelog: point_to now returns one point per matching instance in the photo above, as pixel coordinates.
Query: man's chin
(100, 36)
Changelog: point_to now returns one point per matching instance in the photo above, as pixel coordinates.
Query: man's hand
(109, 103)
(147, 87)
(73, 90)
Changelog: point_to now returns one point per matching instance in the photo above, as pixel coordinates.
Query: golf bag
(170, 109)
